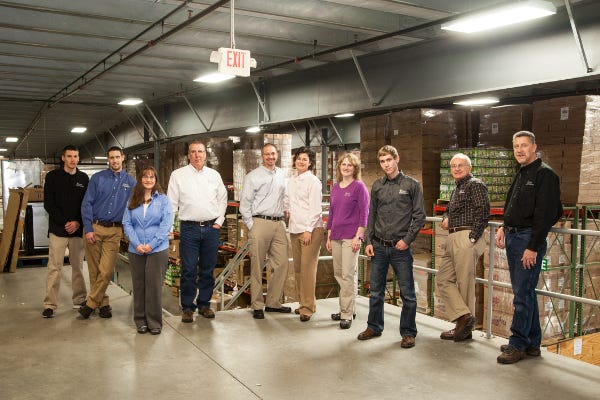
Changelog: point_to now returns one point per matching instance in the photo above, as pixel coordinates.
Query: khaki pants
(455, 279)
(306, 259)
(345, 263)
(56, 255)
(101, 259)
(268, 238)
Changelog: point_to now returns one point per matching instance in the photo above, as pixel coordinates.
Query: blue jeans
(402, 263)
(525, 328)
(198, 250)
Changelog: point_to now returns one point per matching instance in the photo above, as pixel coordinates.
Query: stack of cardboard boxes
(498, 124)
(568, 135)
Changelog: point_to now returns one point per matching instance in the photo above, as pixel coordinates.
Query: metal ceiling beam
(363, 79)
(156, 120)
(336, 130)
(260, 101)
(195, 112)
(577, 37)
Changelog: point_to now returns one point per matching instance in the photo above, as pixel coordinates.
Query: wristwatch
(472, 240)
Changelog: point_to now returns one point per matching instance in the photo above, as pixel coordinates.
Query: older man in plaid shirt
(466, 218)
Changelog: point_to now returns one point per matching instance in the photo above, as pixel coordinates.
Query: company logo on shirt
(126, 185)
(462, 191)
(529, 183)
(402, 191)
(347, 194)
(79, 185)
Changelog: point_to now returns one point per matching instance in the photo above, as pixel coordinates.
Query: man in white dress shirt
(263, 206)
(197, 191)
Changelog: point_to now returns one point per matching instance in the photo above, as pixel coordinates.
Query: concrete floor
(237, 357)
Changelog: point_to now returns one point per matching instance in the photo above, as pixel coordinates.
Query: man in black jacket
(63, 192)
(532, 207)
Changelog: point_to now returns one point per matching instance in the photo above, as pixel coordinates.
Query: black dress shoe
(258, 314)
(85, 311)
(345, 323)
(142, 329)
(337, 316)
(155, 331)
(281, 309)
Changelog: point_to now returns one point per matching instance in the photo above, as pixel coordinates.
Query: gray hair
(528, 134)
(462, 156)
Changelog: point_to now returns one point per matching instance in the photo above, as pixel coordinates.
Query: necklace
(147, 201)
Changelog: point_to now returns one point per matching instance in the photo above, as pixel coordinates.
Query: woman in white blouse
(306, 228)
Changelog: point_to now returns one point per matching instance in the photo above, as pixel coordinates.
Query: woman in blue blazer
(147, 222)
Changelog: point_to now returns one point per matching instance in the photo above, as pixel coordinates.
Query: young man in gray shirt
(396, 214)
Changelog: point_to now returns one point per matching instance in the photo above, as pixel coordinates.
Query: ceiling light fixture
(214, 77)
(344, 115)
(130, 102)
(100, 157)
(253, 129)
(3, 149)
(12, 139)
(480, 101)
(501, 16)
(79, 129)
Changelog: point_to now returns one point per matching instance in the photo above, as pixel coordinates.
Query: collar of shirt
(302, 176)
(464, 180)
(396, 179)
(198, 171)
(534, 164)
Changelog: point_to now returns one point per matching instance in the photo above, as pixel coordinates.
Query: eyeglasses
(149, 177)
(457, 166)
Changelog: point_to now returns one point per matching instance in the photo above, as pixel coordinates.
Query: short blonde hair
(387, 149)
(352, 159)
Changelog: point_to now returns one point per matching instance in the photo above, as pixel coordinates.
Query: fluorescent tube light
(12, 139)
(344, 115)
(502, 16)
(481, 101)
(3, 149)
(131, 102)
(100, 157)
(253, 129)
(79, 129)
(215, 77)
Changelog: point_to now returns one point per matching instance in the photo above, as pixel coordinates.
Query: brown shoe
(368, 334)
(530, 351)
(304, 317)
(297, 311)
(449, 335)
(206, 312)
(187, 316)
(407, 342)
(464, 326)
(511, 355)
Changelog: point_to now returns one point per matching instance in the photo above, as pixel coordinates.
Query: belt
(268, 217)
(515, 229)
(383, 242)
(460, 228)
(209, 222)
(108, 224)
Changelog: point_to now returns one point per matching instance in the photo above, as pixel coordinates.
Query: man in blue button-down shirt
(102, 212)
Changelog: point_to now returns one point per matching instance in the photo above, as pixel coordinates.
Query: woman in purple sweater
(348, 213)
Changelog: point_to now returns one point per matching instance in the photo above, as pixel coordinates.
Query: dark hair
(528, 134)
(115, 148)
(137, 198)
(267, 145)
(69, 147)
(312, 157)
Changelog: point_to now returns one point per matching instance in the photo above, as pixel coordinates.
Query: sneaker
(187, 316)
(510, 355)
(531, 351)
(85, 311)
(48, 313)
(105, 312)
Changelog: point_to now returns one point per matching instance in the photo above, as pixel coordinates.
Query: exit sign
(233, 61)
